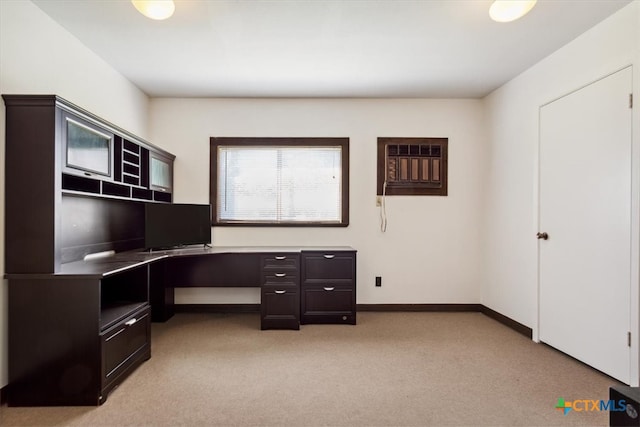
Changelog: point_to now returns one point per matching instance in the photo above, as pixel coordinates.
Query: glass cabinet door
(87, 148)
(161, 172)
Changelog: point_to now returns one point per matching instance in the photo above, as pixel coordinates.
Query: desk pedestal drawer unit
(280, 297)
(328, 287)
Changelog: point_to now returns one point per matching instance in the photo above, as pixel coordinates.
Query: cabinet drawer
(280, 261)
(280, 276)
(329, 266)
(325, 299)
(280, 286)
(328, 304)
(124, 344)
(280, 309)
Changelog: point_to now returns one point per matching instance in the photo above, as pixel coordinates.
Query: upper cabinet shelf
(94, 156)
(55, 152)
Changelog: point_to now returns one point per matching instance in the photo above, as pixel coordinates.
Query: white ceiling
(324, 48)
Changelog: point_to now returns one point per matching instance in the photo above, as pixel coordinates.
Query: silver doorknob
(543, 236)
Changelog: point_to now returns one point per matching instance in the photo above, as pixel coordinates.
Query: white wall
(431, 251)
(510, 276)
(37, 56)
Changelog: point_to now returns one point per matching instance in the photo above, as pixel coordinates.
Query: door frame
(634, 296)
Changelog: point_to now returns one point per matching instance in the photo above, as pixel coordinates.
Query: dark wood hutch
(75, 185)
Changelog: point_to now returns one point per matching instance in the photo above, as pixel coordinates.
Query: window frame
(215, 142)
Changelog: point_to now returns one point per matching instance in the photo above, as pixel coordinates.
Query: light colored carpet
(392, 369)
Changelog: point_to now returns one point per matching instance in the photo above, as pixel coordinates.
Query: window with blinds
(279, 181)
(412, 166)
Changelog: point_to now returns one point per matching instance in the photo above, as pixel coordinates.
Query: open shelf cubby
(122, 294)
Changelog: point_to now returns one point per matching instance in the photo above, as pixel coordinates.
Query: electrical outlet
(378, 281)
(378, 201)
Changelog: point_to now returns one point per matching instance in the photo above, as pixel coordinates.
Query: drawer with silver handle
(286, 261)
(122, 344)
(337, 265)
(280, 276)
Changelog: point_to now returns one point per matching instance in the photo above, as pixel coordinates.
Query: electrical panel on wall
(412, 166)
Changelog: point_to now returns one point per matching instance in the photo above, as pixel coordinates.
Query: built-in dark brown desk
(313, 272)
(330, 267)
(76, 334)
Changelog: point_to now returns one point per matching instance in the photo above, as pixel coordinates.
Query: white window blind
(279, 184)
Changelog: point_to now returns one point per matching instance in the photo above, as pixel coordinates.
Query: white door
(585, 208)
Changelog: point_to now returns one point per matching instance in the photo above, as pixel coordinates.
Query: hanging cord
(383, 202)
(383, 209)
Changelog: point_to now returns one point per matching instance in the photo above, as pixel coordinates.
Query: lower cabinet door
(328, 304)
(124, 347)
(280, 309)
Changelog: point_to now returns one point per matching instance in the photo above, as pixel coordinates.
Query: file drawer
(124, 344)
(329, 266)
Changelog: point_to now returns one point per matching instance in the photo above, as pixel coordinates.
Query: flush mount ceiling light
(155, 9)
(510, 10)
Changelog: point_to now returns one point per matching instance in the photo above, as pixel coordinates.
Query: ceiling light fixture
(510, 10)
(155, 9)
